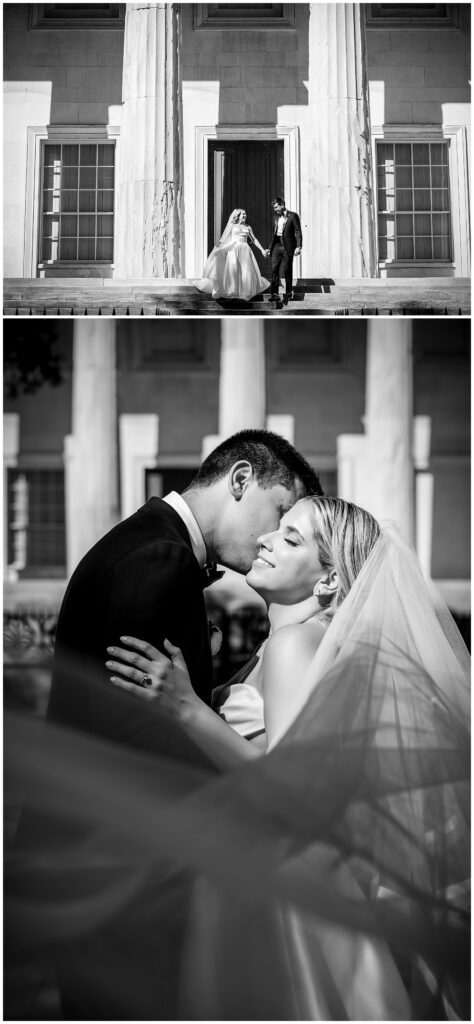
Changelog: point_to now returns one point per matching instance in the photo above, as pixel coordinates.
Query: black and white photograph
(249, 804)
(246, 159)
(237, 522)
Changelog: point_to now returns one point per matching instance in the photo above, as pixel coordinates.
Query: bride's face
(287, 565)
(243, 217)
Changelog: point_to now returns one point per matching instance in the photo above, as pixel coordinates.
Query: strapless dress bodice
(240, 701)
(240, 233)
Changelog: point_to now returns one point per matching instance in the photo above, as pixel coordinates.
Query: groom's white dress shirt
(197, 540)
(281, 224)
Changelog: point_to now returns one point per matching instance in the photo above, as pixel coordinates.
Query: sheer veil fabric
(326, 880)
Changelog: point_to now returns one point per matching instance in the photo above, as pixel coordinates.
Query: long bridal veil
(227, 232)
(326, 880)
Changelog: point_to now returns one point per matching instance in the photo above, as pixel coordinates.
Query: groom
(286, 243)
(144, 579)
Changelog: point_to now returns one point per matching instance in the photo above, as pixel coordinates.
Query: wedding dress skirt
(231, 270)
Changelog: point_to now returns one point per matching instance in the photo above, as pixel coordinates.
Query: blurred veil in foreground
(327, 880)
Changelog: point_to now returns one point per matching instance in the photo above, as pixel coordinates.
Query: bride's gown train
(231, 270)
(324, 881)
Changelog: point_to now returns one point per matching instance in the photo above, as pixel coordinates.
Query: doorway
(246, 174)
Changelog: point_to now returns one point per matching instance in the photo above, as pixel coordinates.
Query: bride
(231, 270)
(359, 698)
(320, 872)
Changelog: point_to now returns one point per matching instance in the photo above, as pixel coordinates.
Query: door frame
(242, 133)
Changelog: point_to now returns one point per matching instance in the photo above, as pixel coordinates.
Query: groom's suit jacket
(142, 579)
(292, 237)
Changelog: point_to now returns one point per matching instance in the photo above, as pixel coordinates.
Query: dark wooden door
(247, 175)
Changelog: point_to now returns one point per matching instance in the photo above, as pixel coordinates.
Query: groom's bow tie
(210, 574)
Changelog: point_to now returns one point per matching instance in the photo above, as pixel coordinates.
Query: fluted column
(241, 380)
(91, 449)
(341, 222)
(389, 423)
(150, 225)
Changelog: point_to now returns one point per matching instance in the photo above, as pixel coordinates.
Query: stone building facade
(380, 409)
(131, 132)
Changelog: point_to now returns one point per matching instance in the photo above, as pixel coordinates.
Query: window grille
(78, 202)
(36, 522)
(414, 217)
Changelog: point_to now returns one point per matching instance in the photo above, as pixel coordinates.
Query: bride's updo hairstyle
(235, 216)
(345, 535)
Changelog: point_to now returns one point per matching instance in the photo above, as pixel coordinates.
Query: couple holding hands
(231, 270)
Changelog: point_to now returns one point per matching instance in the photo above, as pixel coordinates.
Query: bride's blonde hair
(345, 535)
(235, 215)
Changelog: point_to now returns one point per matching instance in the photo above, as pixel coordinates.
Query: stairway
(323, 297)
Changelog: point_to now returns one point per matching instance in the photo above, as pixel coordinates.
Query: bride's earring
(317, 589)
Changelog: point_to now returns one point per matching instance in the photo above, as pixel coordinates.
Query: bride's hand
(147, 673)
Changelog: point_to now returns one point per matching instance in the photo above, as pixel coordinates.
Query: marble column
(389, 423)
(149, 218)
(241, 380)
(91, 450)
(340, 231)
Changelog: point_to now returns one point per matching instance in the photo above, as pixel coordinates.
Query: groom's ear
(240, 476)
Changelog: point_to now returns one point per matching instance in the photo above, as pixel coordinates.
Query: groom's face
(258, 511)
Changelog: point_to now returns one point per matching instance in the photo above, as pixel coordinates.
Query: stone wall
(420, 75)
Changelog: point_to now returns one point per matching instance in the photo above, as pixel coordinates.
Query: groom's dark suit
(282, 251)
(142, 579)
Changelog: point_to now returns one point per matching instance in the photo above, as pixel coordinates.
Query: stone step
(93, 297)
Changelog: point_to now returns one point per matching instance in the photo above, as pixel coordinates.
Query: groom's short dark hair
(273, 460)
(278, 200)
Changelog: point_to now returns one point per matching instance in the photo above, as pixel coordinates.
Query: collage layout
(236, 340)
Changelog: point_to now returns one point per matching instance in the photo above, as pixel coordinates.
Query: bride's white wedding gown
(231, 270)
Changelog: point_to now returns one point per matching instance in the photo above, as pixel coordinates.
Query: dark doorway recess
(248, 175)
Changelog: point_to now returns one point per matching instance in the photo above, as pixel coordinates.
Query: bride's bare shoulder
(287, 657)
(298, 641)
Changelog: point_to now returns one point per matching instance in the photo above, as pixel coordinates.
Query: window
(73, 16)
(412, 14)
(78, 202)
(414, 218)
(36, 522)
(244, 16)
